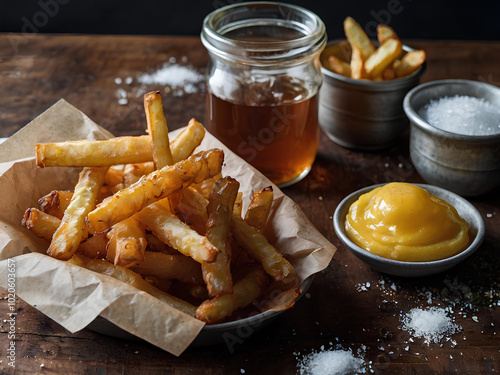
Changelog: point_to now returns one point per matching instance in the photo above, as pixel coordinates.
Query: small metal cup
(362, 114)
(468, 165)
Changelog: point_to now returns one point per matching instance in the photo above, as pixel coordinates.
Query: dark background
(412, 19)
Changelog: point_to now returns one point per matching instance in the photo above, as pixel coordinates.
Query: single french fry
(113, 151)
(191, 207)
(43, 225)
(113, 177)
(134, 279)
(55, 203)
(358, 38)
(388, 74)
(158, 129)
(385, 32)
(357, 64)
(205, 187)
(94, 246)
(155, 186)
(259, 208)
(383, 57)
(70, 233)
(244, 293)
(158, 218)
(185, 143)
(127, 241)
(339, 66)
(217, 275)
(410, 63)
(171, 267)
(258, 248)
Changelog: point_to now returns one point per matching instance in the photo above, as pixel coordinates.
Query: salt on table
(463, 114)
(332, 362)
(433, 324)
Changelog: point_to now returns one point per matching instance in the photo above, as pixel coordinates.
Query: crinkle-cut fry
(43, 225)
(259, 208)
(245, 291)
(55, 203)
(157, 129)
(385, 32)
(217, 275)
(358, 38)
(191, 207)
(70, 233)
(127, 240)
(383, 57)
(158, 218)
(339, 66)
(113, 151)
(357, 64)
(185, 143)
(171, 267)
(258, 248)
(410, 63)
(134, 279)
(155, 186)
(133, 172)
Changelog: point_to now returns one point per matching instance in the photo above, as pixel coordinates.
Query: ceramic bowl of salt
(455, 134)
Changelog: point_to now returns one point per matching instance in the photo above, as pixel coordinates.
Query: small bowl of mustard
(410, 230)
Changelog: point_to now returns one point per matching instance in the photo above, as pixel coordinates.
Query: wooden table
(348, 304)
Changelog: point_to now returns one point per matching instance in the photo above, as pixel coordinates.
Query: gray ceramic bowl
(465, 164)
(231, 332)
(362, 114)
(413, 269)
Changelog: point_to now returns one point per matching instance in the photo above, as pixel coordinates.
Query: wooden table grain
(349, 305)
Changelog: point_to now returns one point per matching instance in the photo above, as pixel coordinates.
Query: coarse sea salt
(432, 324)
(173, 76)
(463, 114)
(332, 362)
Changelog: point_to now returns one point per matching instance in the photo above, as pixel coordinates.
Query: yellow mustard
(404, 222)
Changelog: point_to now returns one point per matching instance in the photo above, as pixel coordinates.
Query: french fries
(365, 61)
(165, 220)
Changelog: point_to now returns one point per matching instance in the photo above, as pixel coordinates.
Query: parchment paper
(73, 296)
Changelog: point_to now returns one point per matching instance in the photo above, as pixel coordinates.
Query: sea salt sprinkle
(432, 324)
(463, 115)
(332, 362)
(172, 75)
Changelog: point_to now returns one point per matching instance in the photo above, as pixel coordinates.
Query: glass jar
(262, 82)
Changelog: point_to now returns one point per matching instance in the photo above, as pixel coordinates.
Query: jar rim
(220, 22)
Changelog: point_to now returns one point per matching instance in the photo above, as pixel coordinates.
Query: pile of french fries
(149, 212)
(386, 62)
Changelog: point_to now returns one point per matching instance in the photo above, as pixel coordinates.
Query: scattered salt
(172, 75)
(118, 80)
(332, 362)
(463, 115)
(432, 324)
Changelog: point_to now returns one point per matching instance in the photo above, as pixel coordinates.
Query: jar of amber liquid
(262, 82)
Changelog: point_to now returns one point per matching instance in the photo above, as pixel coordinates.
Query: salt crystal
(474, 318)
(432, 324)
(172, 75)
(463, 115)
(118, 80)
(332, 362)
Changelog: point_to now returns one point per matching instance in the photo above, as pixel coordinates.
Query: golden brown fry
(158, 218)
(113, 177)
(257, 246)
(94, 246)
(191, 207)
(339, 66)
(155, 186)
(158, 129)
(357, 64)
(185, 143)
(127, 241)
(217, 275)
(70, 233)
(133, 172)
(385, 32)
(205, 187)
(40, 223)
(113, 151)
(244, 293)
(171, 267)
(259, 208)
(388, 74)
(383, 57)
(238, 204)
(55, 203)
(134, 279)
(358, 38)
(410, 63)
